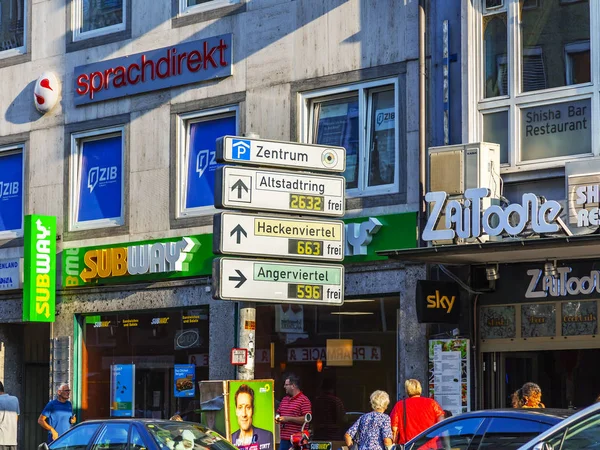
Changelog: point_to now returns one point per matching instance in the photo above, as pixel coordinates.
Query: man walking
(292, 409)
(9, 413)
(57, 415)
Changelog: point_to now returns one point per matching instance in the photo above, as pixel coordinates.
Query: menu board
(449, 374)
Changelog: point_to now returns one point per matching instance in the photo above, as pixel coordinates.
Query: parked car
(487, 429)
(139, 434)
(581, 431)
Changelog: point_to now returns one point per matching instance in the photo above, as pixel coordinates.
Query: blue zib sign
(11, 192)
(189, 62)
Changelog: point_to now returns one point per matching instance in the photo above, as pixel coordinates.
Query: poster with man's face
(251, 414)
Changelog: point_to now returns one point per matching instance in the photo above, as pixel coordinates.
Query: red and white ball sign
(46, 92)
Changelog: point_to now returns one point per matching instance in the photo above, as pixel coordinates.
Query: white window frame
(22, 49)
(76, 140)
(362, 89)
(183, 152)
(78, 23)
(11, 150)
(184, 9)
(474, 87)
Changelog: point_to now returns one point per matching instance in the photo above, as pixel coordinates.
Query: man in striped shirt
(292, 409)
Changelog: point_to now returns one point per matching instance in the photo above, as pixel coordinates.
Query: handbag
(356, 439)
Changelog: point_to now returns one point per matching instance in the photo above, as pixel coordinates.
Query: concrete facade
(281, 48)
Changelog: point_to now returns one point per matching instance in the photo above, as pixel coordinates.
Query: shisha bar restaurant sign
(186, 63)
(465, 219)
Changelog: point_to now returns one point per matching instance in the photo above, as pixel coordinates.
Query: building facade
(125, 161)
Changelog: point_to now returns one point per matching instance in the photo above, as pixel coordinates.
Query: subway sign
(39, 285)
(177, 65)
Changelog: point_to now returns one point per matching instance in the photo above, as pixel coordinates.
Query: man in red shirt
(421, 413)
(292, 409)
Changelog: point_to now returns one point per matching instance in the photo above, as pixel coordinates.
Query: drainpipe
(422, 125)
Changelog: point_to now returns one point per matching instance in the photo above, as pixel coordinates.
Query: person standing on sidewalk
(292, 409)
(9, 414)
(57, 416)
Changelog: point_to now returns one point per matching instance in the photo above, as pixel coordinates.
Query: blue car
(139, 434)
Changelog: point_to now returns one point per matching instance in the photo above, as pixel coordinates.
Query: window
(113, 436)
(456, 435)
(13, 19)
(11, 192)
(364, 120)
(136, 441)
(196, 157)
(196, 6)
(537, 94)
(97, 184)
(97, 17)
(78, 439)
(583, 434)
(505, 433)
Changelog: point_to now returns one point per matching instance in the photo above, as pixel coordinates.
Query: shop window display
(147, 350)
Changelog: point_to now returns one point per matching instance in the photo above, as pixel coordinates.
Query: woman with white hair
(372, 431)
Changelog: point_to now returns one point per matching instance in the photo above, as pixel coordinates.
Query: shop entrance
(568, 378)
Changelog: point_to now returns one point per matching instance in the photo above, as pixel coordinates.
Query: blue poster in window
(100, 187)
(202, 163)
(122, 390)
(184, 380)
(11, 192)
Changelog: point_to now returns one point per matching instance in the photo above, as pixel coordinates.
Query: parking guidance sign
(279, 191)
(261, 152)
(278, 281)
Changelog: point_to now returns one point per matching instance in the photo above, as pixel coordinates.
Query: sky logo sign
(9, 189)
(101, 176)
(240, 149)
(205, 160)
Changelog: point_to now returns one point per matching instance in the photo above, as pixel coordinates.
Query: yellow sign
(298, 229)
(438, 301)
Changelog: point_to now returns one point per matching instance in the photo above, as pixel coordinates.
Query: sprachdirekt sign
(466, 218)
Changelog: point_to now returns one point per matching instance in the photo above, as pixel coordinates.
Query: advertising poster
(184, 380)
(251, 414)
(449, 374)
(122, 390)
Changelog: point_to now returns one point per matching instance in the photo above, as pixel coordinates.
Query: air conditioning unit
(455, 168)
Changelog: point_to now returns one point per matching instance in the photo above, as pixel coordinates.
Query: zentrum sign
(467, 219)
(190, 62)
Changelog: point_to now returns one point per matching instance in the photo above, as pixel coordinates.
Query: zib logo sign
(437, 302)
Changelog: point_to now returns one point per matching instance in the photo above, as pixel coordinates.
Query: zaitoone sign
(467, 219)
(39, 284)
(561, 285)
(190, 62)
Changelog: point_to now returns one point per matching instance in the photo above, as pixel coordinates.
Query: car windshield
(186, 436)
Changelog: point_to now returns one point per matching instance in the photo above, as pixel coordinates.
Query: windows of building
(198, 132)
(97, 182)
(11, 191)
(13, 27)
(362, 118)
(196, 6)
(538, 90)
(92, 18)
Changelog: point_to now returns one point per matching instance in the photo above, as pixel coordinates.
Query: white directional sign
(261, 152)
(278, 281)
(244, 234)
(280, 191)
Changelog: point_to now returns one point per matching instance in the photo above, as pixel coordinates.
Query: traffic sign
(244, 234)
(278, 281)
(280, 191)
(261, 152)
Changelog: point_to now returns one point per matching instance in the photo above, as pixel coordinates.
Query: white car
(581, 431)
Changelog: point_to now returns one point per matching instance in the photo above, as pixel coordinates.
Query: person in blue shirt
(57, 416)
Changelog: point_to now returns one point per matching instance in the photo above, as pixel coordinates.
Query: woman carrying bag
(372, 431)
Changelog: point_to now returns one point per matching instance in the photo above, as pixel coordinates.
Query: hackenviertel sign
(465, 218)
(189, 62)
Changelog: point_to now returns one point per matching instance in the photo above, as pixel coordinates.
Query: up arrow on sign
(239, 185)
(238, 231)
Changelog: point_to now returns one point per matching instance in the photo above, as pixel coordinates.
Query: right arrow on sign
(239, 185)
(241, 278)
(238, 230)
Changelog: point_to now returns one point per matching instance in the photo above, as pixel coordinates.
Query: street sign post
(278, 281)
(279, 191)
(283, 237)
(261, 152)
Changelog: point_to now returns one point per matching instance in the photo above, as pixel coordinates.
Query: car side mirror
(543, 446)
(43, 446)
